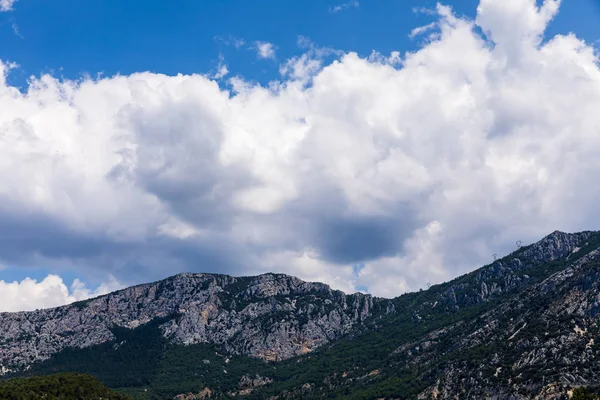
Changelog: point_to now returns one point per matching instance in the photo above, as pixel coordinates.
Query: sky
(377, 146)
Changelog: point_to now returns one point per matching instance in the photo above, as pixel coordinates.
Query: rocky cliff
(271, 316)
(541, 343)
(523, 327)
(515, 271)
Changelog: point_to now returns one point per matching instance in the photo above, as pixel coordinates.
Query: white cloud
(265, 49)
(344, 6)
(421, 261)
(177, 229)
(425, 11)
(303, 67)
(222, 69)
(231, 41)
(30, 294)
(417, 168)
(421, 30)
(7, 5)
(16, 31)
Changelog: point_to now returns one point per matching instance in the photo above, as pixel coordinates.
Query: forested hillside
(524, 326)
(57, 387)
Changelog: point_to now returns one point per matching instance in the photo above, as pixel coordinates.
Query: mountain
(271, 317)
(524, 326)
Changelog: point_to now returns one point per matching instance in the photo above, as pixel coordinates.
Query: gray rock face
(523, 327)
(270, 316)
(507, 275)
(249, 383)
(539, 343)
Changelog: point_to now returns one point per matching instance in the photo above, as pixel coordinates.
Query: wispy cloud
(230, 41)
(302, 68)
(7, 5)
(15, 29)
(222, 69)
(265, 49)
(421, 30)
(221, 72)
(425, 10)
(344, 6)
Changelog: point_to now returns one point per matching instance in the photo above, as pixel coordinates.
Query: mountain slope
(449, 341)
(271, 316)
(542, 341)
(402, 354)
(522, 327)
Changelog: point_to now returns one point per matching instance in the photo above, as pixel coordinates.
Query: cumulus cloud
(30, 294)
(384, 173)
(303, 67)
(7, 5)
(265, 49)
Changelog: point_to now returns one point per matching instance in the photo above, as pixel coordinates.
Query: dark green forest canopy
(65, 386)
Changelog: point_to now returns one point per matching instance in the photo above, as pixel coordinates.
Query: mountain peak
(523, 267)
(557, 245)
(251, 315)
(499, 331)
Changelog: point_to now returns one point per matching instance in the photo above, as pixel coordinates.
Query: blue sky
(71, 38)
(379, 174)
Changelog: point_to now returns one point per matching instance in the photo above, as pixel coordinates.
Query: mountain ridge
(481, 335)
(210, 308)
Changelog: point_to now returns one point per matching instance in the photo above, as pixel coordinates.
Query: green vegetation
(57, 387)
(129, 360)
(143, 365)
(376, 361)
(584, 393)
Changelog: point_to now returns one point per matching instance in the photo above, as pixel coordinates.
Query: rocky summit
(271, 317)
(523, 327)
